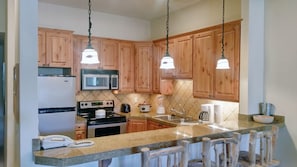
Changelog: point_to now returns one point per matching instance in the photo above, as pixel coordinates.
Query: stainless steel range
(101, 118)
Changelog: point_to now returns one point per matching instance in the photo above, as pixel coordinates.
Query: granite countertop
(131, 143)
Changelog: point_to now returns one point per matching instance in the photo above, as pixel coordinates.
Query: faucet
(180, 113)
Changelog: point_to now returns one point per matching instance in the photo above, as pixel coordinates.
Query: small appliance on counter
(144, 107)
(207, 113)
(125, 108)
(160, 108)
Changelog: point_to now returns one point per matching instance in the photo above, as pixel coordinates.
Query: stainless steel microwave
(94, 79)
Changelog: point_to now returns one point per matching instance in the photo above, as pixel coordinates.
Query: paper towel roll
(218, 111)
(211, 113)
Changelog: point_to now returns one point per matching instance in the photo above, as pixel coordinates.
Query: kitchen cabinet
(80, 131)
(166, 86)
(181, 49)
(183, 57)
(153, 125)
(207, 81)
(159, 85)
(156, 68)
(109, 53)
(160, 50)
(55, 48)
(136, 125)
(143, 67)
(126, 67)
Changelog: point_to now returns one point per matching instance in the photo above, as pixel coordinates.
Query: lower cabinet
(153, 125)
(142, 124)
(80, 131)
(136, 125)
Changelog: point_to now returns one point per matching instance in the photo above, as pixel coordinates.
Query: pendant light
(89, 55)
(167, 61)
(223, 63)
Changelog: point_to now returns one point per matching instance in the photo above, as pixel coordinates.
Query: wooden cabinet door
(203, 65)
(183, 57)
(143, 67)
(109, 54)
(77, 47)
(153, 125)
(136, 125)
(126, 67)
(156, 71)
(226, 85)
(80, 131)
(59, 48)
(41, 48)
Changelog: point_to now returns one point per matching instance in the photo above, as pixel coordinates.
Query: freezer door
(57, 123)
(56, 92)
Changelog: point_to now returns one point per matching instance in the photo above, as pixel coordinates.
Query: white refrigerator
(56, 105)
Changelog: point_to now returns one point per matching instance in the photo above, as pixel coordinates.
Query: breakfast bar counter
(130, 143)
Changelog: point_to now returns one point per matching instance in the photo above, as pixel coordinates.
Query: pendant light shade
(167, 61)
(89, 55)
(223, 63)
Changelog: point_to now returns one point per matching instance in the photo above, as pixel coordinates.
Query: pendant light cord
(90, 24)
(167, 28)
(223, 30)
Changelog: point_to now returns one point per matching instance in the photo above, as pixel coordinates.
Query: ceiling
(143, 9)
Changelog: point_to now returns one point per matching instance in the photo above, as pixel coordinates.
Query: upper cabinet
(109, 53)
(183, 57)
(207, 81)
(227, 81)
(126, 67)
(163, 86)
(180, 48)
(143, 67)
(55, 48)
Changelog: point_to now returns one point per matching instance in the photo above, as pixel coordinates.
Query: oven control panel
(96, 104)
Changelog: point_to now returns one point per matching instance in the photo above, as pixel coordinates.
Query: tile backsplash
(182, 98)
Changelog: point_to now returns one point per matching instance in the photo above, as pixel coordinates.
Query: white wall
(103, 25)
(206, 13)
(280, 72)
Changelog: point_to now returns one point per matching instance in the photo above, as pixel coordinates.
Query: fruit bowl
(266, 119)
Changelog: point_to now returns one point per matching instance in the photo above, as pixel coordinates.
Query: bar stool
(225, 151)
(266, 146)
(179, 153)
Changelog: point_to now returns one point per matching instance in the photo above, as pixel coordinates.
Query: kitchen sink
(174, 118)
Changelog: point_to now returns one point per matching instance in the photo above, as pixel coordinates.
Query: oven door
(106, 129)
